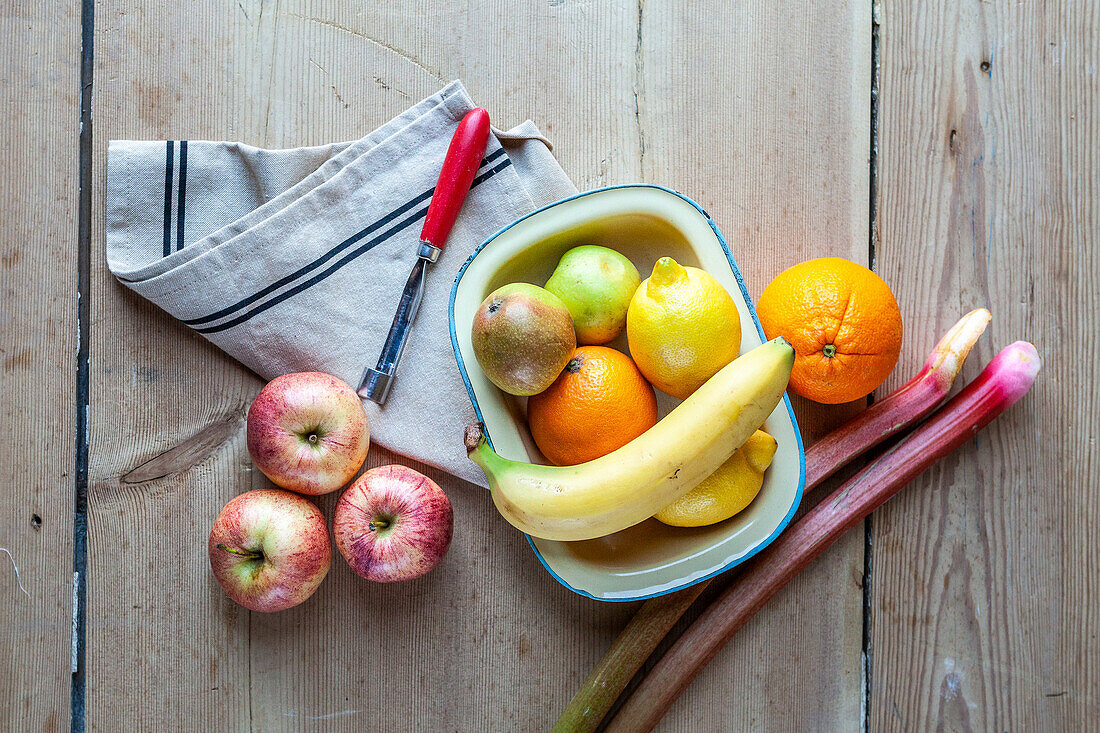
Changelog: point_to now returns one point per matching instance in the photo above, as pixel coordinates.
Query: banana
(647, 474)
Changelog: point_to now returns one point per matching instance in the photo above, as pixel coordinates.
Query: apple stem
(243, 553)
(378, 524)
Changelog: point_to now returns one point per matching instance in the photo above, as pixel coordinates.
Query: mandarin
(599, 403)
(843, 322)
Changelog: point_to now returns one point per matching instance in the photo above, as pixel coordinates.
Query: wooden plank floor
(981, 611)
(985, 613)
(235, 668)
(40, 82)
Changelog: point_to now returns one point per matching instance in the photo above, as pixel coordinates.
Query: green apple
(596, 285)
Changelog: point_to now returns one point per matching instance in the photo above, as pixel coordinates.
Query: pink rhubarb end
(1013, 370)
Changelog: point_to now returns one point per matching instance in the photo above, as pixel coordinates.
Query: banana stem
(886, 418)
(1005, 380)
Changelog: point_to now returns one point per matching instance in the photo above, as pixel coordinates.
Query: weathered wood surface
(779, 158)
(984, 598)
(627, 92)
(984, 574)
(39, 80)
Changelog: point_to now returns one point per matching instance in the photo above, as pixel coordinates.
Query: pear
(523, 337)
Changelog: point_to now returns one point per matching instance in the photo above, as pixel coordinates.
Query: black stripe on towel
(305, 269)
(168, 156)
(308, 267)
(182, 195)
(370, 244)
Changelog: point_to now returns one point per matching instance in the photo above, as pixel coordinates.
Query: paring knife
(464, 157)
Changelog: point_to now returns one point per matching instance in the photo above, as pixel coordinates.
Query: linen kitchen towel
(294, 260)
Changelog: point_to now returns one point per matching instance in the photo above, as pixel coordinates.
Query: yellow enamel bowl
(644, 223)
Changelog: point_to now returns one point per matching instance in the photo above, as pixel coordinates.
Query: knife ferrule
(428, 251)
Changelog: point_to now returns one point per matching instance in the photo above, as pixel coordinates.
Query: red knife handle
(464, 157)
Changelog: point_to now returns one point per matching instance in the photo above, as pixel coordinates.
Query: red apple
(392, 524)
(269, 549)
(308, 432)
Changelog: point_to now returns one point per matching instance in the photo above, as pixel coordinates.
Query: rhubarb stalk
(886, 418)
(1004, 381)
(901, 408)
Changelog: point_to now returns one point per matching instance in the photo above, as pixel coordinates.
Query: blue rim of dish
(759, 330)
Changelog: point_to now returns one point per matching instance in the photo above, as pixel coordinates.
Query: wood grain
(728, 114)
(716, 103)
(478, 629)
(39, 123)
(984, 611)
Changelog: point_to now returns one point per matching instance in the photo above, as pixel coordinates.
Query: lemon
(682, 327)
(726, 491)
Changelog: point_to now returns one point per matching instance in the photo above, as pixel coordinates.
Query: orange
(599, 403)
(843, 322)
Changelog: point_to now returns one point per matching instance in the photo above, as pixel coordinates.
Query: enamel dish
(644, 223)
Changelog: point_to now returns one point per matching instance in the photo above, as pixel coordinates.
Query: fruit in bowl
(636, 481)
(522, 337)
(598, 404)
(728, 490)
(683, 327)
(596, 284)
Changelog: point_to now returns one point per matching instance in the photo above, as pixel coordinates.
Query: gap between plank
(83, 314)
(872, 242)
